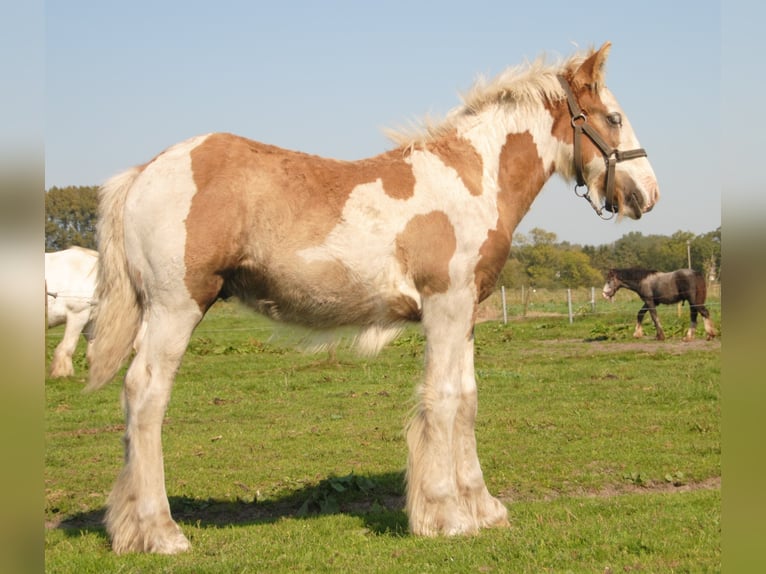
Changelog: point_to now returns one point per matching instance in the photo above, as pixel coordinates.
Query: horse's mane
(517, 85)
(632, 273)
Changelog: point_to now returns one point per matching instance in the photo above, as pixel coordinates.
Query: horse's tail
(700, 288)
(118, 314)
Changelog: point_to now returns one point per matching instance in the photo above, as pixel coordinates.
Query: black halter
(611, 155)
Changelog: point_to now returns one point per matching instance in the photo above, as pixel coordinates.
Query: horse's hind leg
(446, 493)
(61, 364)
(638, 332)
(710, 331)
(138, 516)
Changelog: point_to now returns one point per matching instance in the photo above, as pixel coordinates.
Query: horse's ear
(591, 72)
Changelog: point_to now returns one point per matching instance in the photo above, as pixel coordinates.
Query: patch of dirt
(713, 483)
(645, 345)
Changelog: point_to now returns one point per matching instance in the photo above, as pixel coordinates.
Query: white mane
(515, 85)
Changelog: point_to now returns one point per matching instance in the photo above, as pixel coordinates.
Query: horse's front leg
(485, 509)
(638, 332)
(446, 493)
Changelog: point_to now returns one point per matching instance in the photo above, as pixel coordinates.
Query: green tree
(539, 260)
(575, 269)
(706, 254)
(70, 217)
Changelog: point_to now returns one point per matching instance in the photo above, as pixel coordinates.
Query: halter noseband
(612, 155)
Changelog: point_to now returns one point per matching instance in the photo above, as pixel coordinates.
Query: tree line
(70, 217)
(537, 259)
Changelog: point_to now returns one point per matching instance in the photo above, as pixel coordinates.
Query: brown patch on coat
(424, 250)
(396, 176)
(256, 205)
(520, 177)
(460, 155)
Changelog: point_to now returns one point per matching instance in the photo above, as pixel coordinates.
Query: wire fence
(509, 304)
(513, 303)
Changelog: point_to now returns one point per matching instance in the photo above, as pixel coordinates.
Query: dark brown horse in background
(655, 287)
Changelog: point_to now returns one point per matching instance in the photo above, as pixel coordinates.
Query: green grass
(606, 451)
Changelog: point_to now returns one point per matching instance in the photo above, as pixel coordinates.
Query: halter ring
(599, 210)
(584, 194)
(578, 117)
(601, 215)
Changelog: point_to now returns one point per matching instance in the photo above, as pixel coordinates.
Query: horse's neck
(522, 134)
(632, 283)
(517, 151)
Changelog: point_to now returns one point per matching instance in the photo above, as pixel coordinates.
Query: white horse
(419, 233)
(70, 285)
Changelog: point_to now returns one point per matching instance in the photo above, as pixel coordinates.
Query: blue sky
(125, 80)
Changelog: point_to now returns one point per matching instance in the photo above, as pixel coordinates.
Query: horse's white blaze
(417, 233)
(70, 284)
(639, 169)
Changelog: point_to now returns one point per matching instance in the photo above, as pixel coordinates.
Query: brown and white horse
(419, 233)
(70, 285)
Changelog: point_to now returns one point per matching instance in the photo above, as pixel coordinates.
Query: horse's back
(235, 213)
(70, 282)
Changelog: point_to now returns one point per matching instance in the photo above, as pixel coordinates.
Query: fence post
(523, 302)
(569, 304)
(505, 306)
(592, 299)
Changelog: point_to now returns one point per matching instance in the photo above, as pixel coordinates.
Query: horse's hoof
(173, 543)
(154, 536)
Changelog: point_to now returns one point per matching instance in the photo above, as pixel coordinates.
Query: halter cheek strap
(611, 155)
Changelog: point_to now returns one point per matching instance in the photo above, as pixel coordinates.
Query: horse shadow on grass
(377, 500)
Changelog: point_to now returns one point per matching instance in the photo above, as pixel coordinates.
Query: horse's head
(611, 286)
(606, 157)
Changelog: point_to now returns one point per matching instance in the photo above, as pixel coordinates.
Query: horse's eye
(615, 119)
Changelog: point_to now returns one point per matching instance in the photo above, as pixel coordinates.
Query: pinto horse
(70, 285)
(418, 233)
(654, 288)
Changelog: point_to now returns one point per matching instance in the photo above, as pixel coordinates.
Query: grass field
(605, 449)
